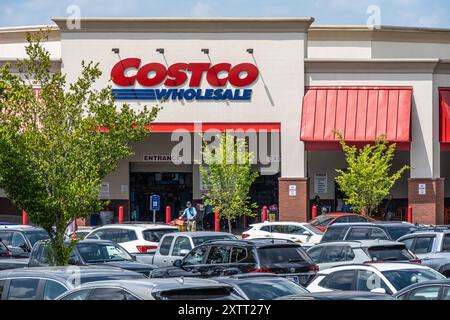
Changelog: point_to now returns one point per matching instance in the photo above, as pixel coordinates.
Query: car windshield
(403, 278)
(199, 240)
(36, 235)
(154, 235)
(3, 248)
(270, 289)
(321, 221)
(398, 232)
(99, 252)
(313, 229)
(393, 253)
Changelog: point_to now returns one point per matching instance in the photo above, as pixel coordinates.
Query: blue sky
(423, 13)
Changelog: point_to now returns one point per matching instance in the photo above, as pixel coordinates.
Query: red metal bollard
(216, 220)
(314, 212)
(121, 215)
(264, 214)
(168, 214)
(364, 213)
(410, 214)
(24, 217)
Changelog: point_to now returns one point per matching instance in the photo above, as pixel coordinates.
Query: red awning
(361, 114)
(444, 132)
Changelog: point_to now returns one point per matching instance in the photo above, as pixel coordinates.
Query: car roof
(66, 273)
(202, 234)
(267, 223)
(341, 295)
(382, 266)
(20, 228)
(361, 243)
(373, 224)
(249, 277)
(145, 287)
(253, 242)
(143, 226)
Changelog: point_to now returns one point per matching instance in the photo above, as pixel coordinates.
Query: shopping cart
(181, 224)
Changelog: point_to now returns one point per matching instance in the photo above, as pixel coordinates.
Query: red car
(324, 221)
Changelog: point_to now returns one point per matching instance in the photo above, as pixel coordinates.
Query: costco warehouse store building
(287, 83)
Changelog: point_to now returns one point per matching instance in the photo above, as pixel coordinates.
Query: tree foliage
(228, 176)
(368, 179)
(57, 146)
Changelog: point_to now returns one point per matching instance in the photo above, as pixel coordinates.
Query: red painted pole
(364, 213)
(168, 214)
(410, 214)
(24, 217)
(216, 220)
(264, 214)
(120, 214)
(314, 212)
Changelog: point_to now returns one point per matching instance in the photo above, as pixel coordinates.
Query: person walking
(389, 209)
(190, 214)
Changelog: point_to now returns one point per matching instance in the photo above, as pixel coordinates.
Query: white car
(378, 277)
(303, 233)
(141, 240)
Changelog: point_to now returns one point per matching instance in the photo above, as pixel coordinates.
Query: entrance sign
(218, 76)
(161, 158)
(320, 183)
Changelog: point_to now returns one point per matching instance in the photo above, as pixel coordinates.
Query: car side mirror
(178, 263)
(378, 290)
(72, 262)
(133, 257)
(184, 252)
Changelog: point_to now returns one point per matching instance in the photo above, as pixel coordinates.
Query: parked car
(174, 246)
(302, 233)
(324, 221)
(138, 239)
(231, 257)
(21, 239)
(4, 251)
(367, 231)
(331, 254)
(430, 290)
(340, 295)
(254, 286)
(153, 289)
(432, 247)
(378, 277)
(81, 233)
(92, 252)
(50, 282)
(13, 263)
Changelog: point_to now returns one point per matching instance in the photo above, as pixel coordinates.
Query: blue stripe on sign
(134, 94)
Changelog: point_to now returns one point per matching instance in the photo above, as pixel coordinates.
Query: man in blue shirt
(190, 214)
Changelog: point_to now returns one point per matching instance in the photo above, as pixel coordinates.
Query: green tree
(368, 179)
(228, 176)
(57, 146)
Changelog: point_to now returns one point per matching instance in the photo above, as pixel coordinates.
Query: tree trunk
(229, 226)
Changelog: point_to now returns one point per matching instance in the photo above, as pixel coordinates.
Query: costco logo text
(218, 76)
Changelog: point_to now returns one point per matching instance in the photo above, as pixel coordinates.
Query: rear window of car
(36, 235)
(313, 229)
(333, 233)
(282, 255)
(270, 289)
(200, 240)
(155, 235)
(398, 232)
(389, 253)
(322, 221)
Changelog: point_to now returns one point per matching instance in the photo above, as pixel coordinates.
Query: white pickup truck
(174, 246)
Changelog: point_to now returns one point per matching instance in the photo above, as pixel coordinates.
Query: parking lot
(268, 261)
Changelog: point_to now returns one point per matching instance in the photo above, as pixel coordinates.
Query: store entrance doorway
(175, 189)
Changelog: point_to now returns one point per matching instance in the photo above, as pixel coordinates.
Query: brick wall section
(429, 208)
(294, 208)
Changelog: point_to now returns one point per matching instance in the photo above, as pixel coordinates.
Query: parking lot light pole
(121, 215)
(24, 217)
(168, 215)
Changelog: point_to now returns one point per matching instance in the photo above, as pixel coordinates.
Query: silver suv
(332, 254)
(432, 246)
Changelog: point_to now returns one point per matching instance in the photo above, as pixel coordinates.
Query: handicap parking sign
(154, 202)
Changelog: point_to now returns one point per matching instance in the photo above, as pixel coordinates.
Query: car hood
(128, 265)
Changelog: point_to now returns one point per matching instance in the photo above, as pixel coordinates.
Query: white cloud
(201, 9)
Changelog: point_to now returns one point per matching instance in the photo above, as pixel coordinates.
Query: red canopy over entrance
(360, 114)
(444, 132)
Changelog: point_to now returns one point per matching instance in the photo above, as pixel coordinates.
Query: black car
(253, 286)
(20, 240)
(230, 257)
(367, 231)
(92, 253)
(430, 290)
(340, 295)
(50, 282)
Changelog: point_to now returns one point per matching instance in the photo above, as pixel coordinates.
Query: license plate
(295, 279)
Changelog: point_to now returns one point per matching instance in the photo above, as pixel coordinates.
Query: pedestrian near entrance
(389, 209)
(190, 214)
